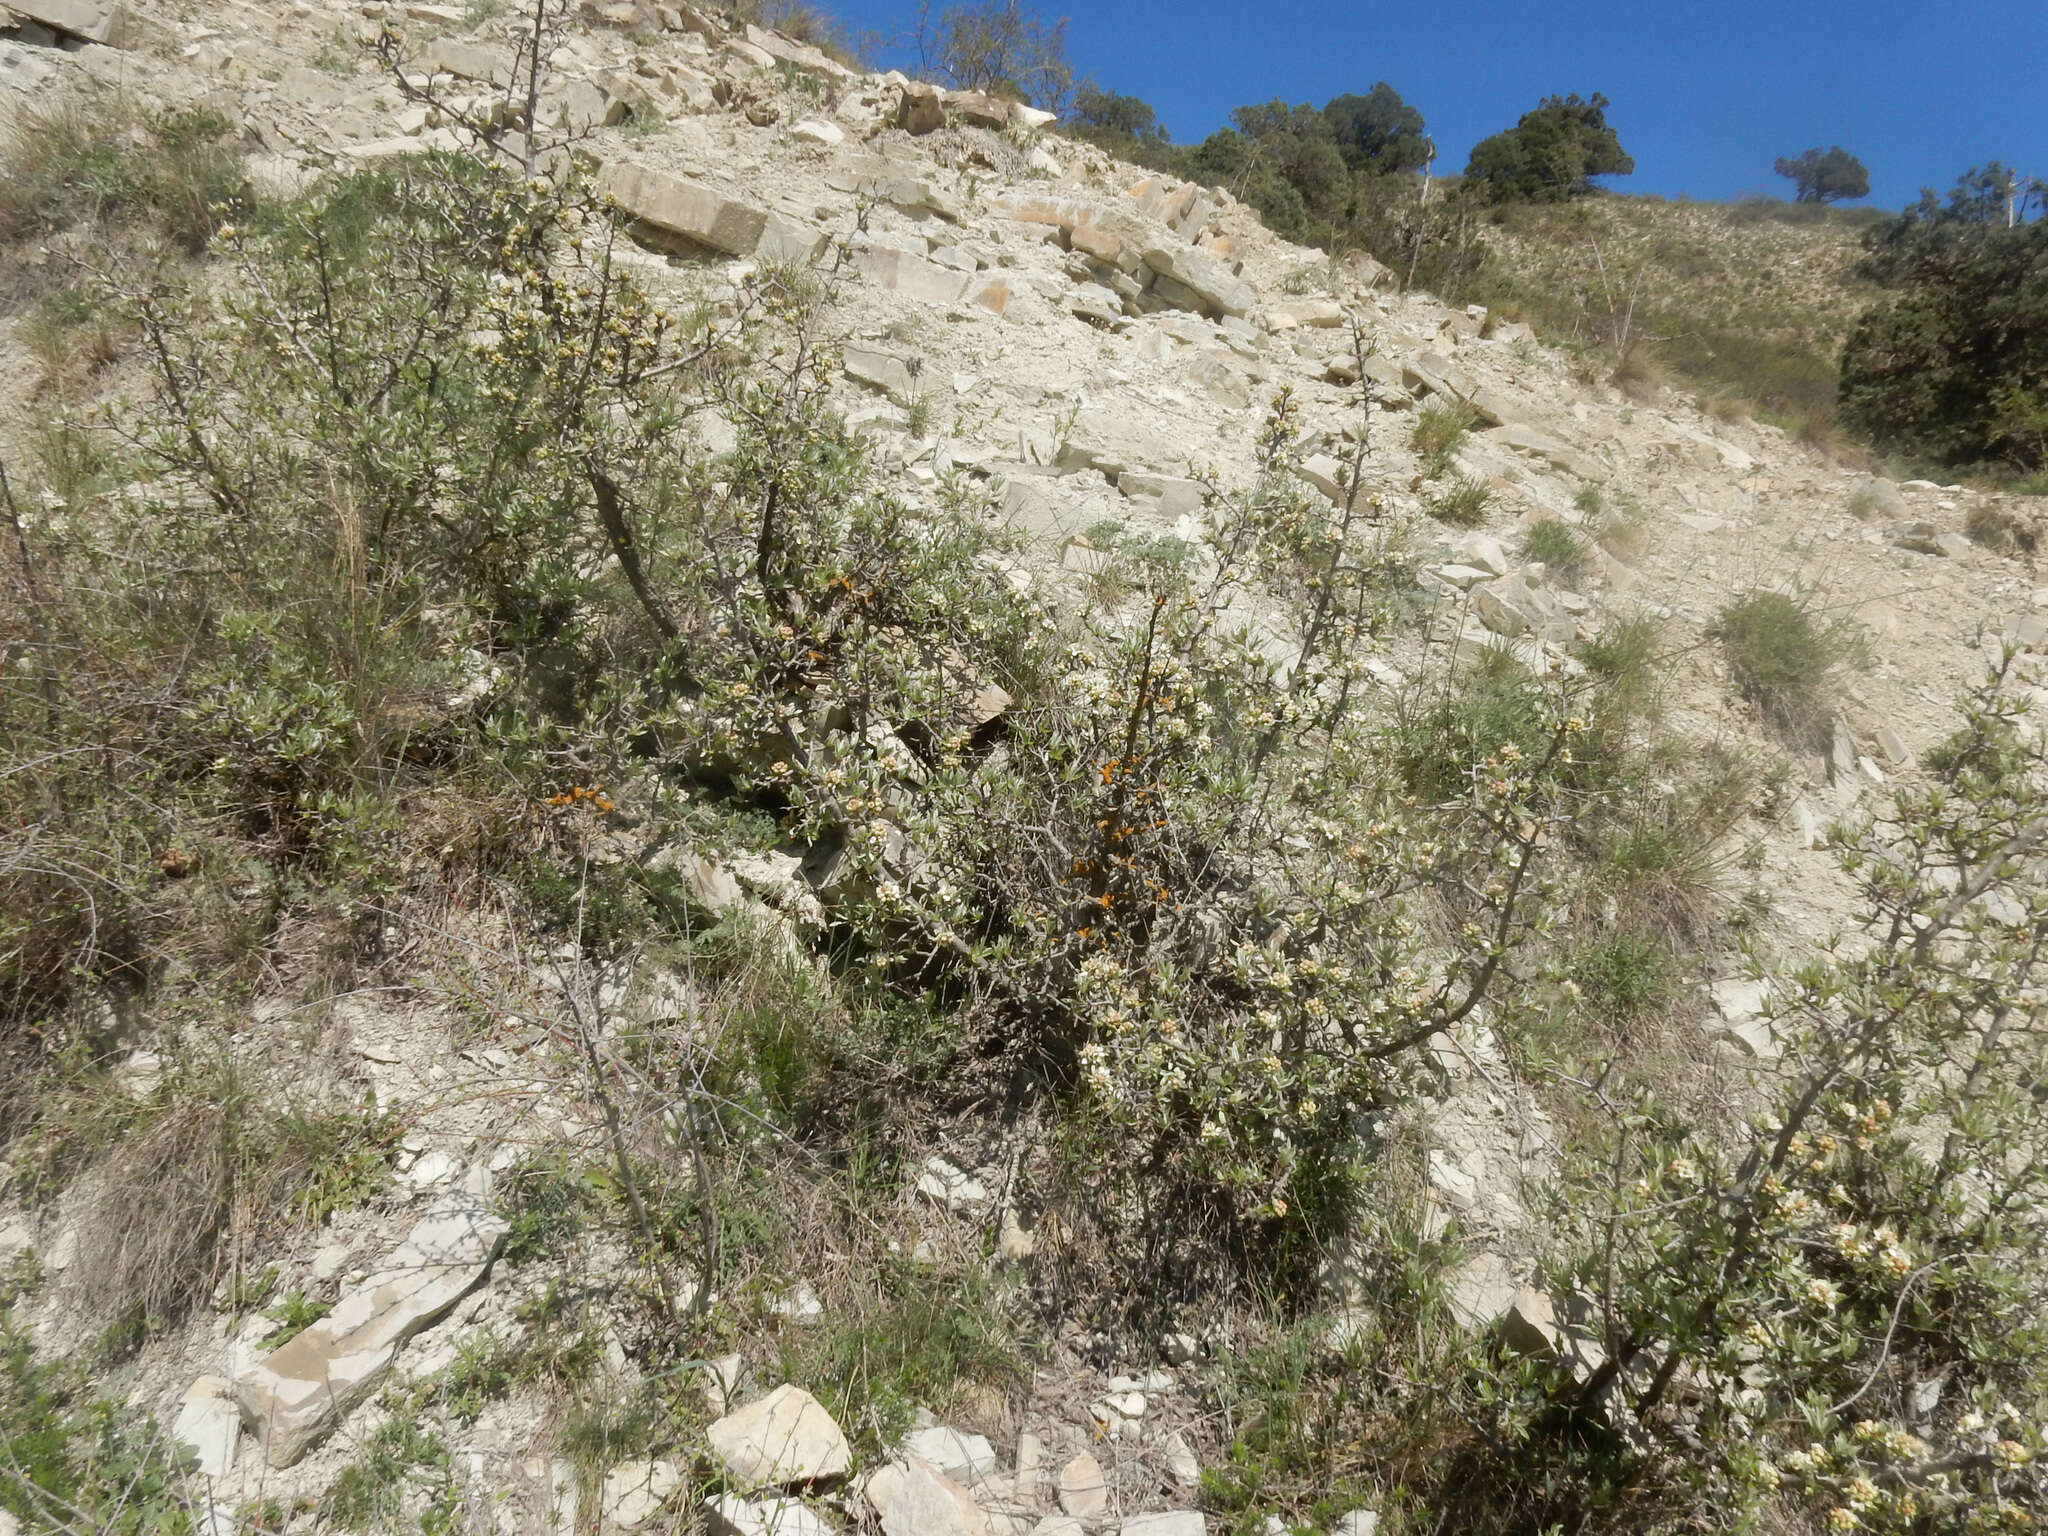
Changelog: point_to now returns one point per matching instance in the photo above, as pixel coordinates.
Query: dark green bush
(1952, 367)
(1782, 655)
(1493, 706)
(908, 1337)
(1551, 154)
(1625, 976)
(1623, 654)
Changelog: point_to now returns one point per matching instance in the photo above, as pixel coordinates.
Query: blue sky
(1706, 93)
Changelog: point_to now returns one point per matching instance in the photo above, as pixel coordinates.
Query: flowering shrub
(1183, 888)
(1842, 1307)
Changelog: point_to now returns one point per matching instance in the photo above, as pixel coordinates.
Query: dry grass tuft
(1998, 526)
(1638, 376)
(149, 1241)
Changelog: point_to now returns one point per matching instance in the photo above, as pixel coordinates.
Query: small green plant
(1325, 277)
(337, 56)
(1280, 1469)
(1660, 851)
(74, 332)
(76, 1460)
(1625, 977)
(1490, 710)
(248, 1290)
(331, 1161)
(169, 1193)
(1782, 655)
(1462, 503)
(293, 1314)
(798, 81)
(402, 1457)
(1063, 423)
(1623, 656)
(1439, 432)
(546, 1203)
(914, 1339)
(1560, 547)
(561, 1350)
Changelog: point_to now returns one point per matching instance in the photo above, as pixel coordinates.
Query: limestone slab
(953, 1451)
(634, 1491)
(1513, 606)
(1083, 1491)
(1219, 290)
(297, 1393)
(97, 21)
(731, 1516)
(880, 370)
(900, 271)
(675, 206)
(1480, 1290)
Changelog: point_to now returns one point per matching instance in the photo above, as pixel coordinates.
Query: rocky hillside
(549, 1262)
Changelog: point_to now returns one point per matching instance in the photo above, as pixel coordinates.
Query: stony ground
(1086, 345)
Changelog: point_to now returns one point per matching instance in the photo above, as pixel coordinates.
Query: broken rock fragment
(921, 110)
(209, 1424)
(1513, 606)
(1083, 1491)
(634, 1491)
(729, 1516)
(466, 61)
(977, 107)
(953, 1451)
(1186, 271)
(914, 1498)
(880, 370)
(780, 1440)
(673, 206)
(96, 21)
(907, 273)
(1480, 1290)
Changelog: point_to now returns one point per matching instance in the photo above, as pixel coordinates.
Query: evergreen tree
(1378, 132)
(1825, 176)
(1551, 154)
(1954, 366)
